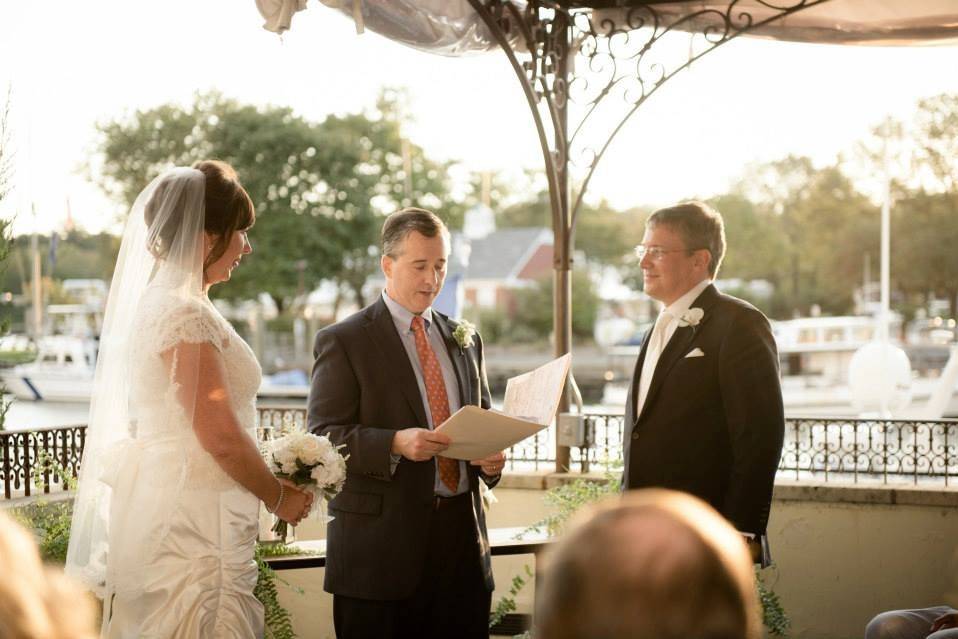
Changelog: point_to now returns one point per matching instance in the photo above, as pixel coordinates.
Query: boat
(62, 371)
(815, 355)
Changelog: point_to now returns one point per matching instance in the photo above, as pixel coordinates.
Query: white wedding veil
(162, 249)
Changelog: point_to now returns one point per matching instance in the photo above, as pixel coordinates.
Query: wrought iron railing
(30, 460)
(816, 449)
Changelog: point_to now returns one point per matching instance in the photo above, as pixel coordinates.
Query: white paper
(530, 404)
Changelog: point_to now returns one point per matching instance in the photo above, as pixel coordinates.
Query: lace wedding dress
(182, 532)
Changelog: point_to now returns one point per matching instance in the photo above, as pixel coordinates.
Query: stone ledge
(544, 480)
(785, 490)
(887, 495)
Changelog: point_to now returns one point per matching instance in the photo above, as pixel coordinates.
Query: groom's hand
(419, 444)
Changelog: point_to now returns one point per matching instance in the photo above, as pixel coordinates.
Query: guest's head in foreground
(415, 250)
(37, 602)
(683, 245)
(651, 564)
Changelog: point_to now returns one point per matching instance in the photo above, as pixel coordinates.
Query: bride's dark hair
(228, 208)
(228, 205)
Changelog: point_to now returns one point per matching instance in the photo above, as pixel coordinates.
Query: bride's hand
(309, 494)
(296, 504)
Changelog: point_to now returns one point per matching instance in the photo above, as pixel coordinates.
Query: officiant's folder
(530, 404)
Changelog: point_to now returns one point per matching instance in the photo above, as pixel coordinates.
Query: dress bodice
(160, 408)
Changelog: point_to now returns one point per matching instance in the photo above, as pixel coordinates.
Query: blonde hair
(37, 602)
(651, 564)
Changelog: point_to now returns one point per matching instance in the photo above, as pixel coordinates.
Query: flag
(52, 257)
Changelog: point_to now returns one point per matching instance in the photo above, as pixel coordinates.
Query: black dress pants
(451, 601)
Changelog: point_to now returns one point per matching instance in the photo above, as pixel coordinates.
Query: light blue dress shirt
(402, 317)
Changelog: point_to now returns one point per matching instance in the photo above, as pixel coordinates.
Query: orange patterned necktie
(438, 400)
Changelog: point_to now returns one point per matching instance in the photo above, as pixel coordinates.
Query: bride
(165, 516)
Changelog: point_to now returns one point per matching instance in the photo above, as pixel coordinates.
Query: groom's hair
(700, 226)
(401, 223)
(651, 564)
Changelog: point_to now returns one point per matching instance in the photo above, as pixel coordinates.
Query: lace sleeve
(187, 324)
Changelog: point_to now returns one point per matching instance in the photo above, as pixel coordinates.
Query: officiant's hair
(651, 564)
(700, 225)
(36, 601)
(401, 223)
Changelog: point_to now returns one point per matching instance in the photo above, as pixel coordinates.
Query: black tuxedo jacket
(712, 425)
(363, 390)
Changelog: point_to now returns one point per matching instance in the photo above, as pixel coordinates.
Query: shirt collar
(679, 307)
(403, 316)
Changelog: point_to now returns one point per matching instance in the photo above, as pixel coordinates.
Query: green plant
(508, 603)
(773, 614)
(279, 623)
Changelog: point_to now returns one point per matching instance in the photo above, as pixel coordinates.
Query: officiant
(407, 549)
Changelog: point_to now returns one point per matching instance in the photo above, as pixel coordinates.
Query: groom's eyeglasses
(656, 253)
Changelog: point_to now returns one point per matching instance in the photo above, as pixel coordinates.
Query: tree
(816, 221)
(925, 232)
(936, 138)
(6, 169)
(534, 306)
(375, 172)
(320, 190)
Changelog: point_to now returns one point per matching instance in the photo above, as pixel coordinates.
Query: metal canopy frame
(624, 57)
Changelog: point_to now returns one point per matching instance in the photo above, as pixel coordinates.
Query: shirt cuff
(393, 463)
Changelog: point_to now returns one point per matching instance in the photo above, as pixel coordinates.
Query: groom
(704, 413)
(407, 549)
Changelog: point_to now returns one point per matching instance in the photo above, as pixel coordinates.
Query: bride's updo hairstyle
(228, 206)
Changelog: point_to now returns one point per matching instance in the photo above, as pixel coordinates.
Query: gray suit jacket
(363, 390)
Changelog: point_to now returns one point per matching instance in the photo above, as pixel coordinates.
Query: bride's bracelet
(279, 501)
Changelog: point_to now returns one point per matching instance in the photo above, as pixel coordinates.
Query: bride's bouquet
(309, 461)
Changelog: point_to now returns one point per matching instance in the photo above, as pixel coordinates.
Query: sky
(70, 64)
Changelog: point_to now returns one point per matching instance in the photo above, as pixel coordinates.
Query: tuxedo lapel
(678, 345)
(456, 356)
(636, 374)
(382, 331)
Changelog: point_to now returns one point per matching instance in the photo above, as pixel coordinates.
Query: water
(27, 415)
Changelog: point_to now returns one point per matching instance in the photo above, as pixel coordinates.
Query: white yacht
(62, 372)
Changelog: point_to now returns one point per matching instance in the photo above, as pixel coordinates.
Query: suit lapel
(678, 345)
(456, 356)
(636, 374)
(382, 331)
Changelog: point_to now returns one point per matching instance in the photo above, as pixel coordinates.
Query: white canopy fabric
(451, 27)
(870, 22)
(444, 27)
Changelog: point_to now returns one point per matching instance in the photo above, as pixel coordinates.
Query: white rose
(320, 474)
(310, 450)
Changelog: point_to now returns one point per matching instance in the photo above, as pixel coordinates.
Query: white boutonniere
(691, 317)
(464, 334)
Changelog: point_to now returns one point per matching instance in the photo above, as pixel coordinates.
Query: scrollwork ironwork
(815, 449)
(627, 52)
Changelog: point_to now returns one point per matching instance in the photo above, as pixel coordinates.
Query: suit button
(635, 435)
